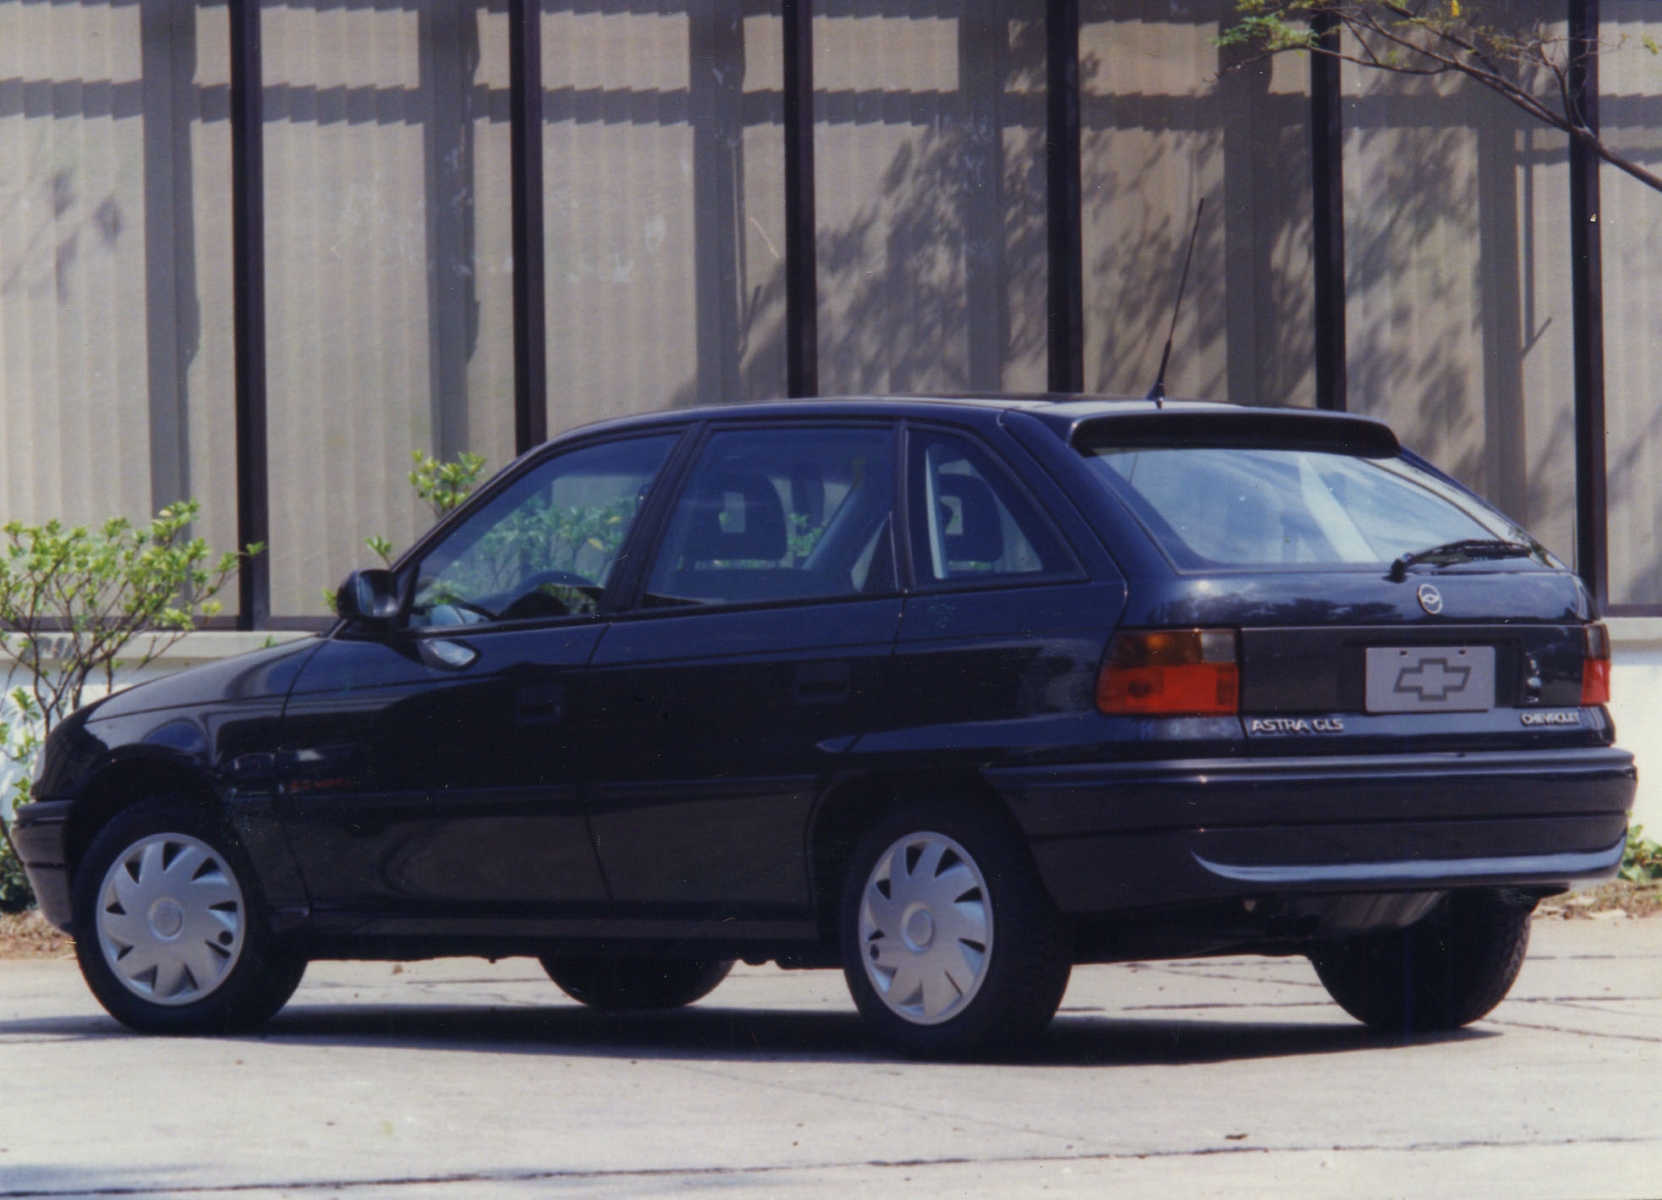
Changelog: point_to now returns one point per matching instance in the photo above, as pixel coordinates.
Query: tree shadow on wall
(938, 282)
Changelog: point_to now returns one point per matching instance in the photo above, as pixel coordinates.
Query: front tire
(170, 928)
(1441, 973)
(951, 946)
(636, 984)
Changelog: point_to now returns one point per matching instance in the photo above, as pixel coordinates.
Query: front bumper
(37, 835)
(1114, 836)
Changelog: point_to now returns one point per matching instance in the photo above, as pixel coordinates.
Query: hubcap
(170, 919)
(926, 928)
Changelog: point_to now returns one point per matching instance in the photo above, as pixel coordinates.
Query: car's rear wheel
(170, 930)
(1440, 973)
(950, 944)
(636, 984)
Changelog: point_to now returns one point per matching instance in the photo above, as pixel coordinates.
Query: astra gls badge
(1430, 599)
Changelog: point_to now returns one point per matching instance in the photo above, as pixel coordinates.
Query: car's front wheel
(950, 944)
(1440, 973)
(636, 984)
(169, 929)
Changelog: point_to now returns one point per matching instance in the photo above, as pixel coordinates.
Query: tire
(636, 984)
(950, 944)
(1445, 971)
(201, 957)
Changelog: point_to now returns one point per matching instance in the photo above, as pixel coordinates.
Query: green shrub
(1642, 861)
(72, 601)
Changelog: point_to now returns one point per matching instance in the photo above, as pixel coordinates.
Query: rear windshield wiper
(1465, 550)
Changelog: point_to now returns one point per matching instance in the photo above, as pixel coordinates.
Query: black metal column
(1327, 224)
(248, 312)
(1063, 200)
(1592, 560)
(525, 173)
(801, 257)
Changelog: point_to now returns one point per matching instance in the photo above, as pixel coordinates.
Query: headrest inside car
(737, 515)
(972, 531)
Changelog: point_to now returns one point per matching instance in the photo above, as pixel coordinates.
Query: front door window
(546, 546)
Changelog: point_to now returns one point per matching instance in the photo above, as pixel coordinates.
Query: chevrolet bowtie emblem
(1433, 679)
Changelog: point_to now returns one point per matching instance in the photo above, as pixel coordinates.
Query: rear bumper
(1112, 836)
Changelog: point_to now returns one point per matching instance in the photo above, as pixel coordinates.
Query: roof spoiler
(1261, 429)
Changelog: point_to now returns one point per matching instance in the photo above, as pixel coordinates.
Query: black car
(953, 694)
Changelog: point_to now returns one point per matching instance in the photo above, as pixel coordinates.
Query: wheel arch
(118, 787)
(852, 805)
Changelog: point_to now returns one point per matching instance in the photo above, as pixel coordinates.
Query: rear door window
(1257, 506)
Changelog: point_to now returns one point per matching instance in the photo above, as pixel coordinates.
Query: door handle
(823, 683)
(540, 704)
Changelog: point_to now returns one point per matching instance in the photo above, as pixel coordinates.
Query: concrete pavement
(1223, 1077)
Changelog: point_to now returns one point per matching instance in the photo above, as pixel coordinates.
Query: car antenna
(1157, 393)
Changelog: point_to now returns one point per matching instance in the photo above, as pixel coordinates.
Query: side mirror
(368, 595)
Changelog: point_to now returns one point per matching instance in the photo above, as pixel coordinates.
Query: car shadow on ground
(711, 1032)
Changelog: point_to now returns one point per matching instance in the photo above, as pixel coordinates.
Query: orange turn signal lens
(1595, 667)
(1170, 673)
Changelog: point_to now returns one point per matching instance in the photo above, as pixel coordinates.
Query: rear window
(1257, 506)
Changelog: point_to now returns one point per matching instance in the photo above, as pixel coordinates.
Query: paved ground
(1227, 1077)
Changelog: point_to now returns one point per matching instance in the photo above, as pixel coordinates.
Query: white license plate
(1430, 679)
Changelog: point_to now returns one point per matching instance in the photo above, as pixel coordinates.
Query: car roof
(1062, 412)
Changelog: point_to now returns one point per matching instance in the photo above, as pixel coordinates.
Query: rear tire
(636, 984)
(170, 927)
(1440, 973)
(951, 945)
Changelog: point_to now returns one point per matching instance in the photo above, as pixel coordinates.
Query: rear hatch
(1376, 605)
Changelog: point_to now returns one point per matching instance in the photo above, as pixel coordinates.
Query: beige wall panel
(930, 197)
(618, 217)
(762, 240)
(1631, 108)
(1458, 311)
(490, 367)
(210, 380)
(1164, 126)
(106, 372)
(72, 265)
(363, 272)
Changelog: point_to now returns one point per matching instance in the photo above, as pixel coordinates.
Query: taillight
(1170, 673)
(1595, 667)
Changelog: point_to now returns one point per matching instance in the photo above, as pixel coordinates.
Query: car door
(1004, 628)
(431, 771)
(755, 657)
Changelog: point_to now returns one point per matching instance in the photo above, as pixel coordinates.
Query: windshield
(1239, 506)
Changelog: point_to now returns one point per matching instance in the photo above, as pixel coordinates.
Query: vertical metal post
(1592, 561)
(801, 257)
(1063, 198)
(1327, 224)
(248, 311)
(526, 183)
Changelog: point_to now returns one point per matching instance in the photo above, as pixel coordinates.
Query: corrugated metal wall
(115, 277)
(1631, 109)
(929, 154)
(1458, 298)
(389, 250)
(1164, 127)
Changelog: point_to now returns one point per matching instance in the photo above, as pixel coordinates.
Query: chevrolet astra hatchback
(952, 694)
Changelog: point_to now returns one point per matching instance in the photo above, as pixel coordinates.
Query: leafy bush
(1642, 861)
(72, 600)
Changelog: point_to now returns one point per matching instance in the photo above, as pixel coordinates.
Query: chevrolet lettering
(948, 694)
